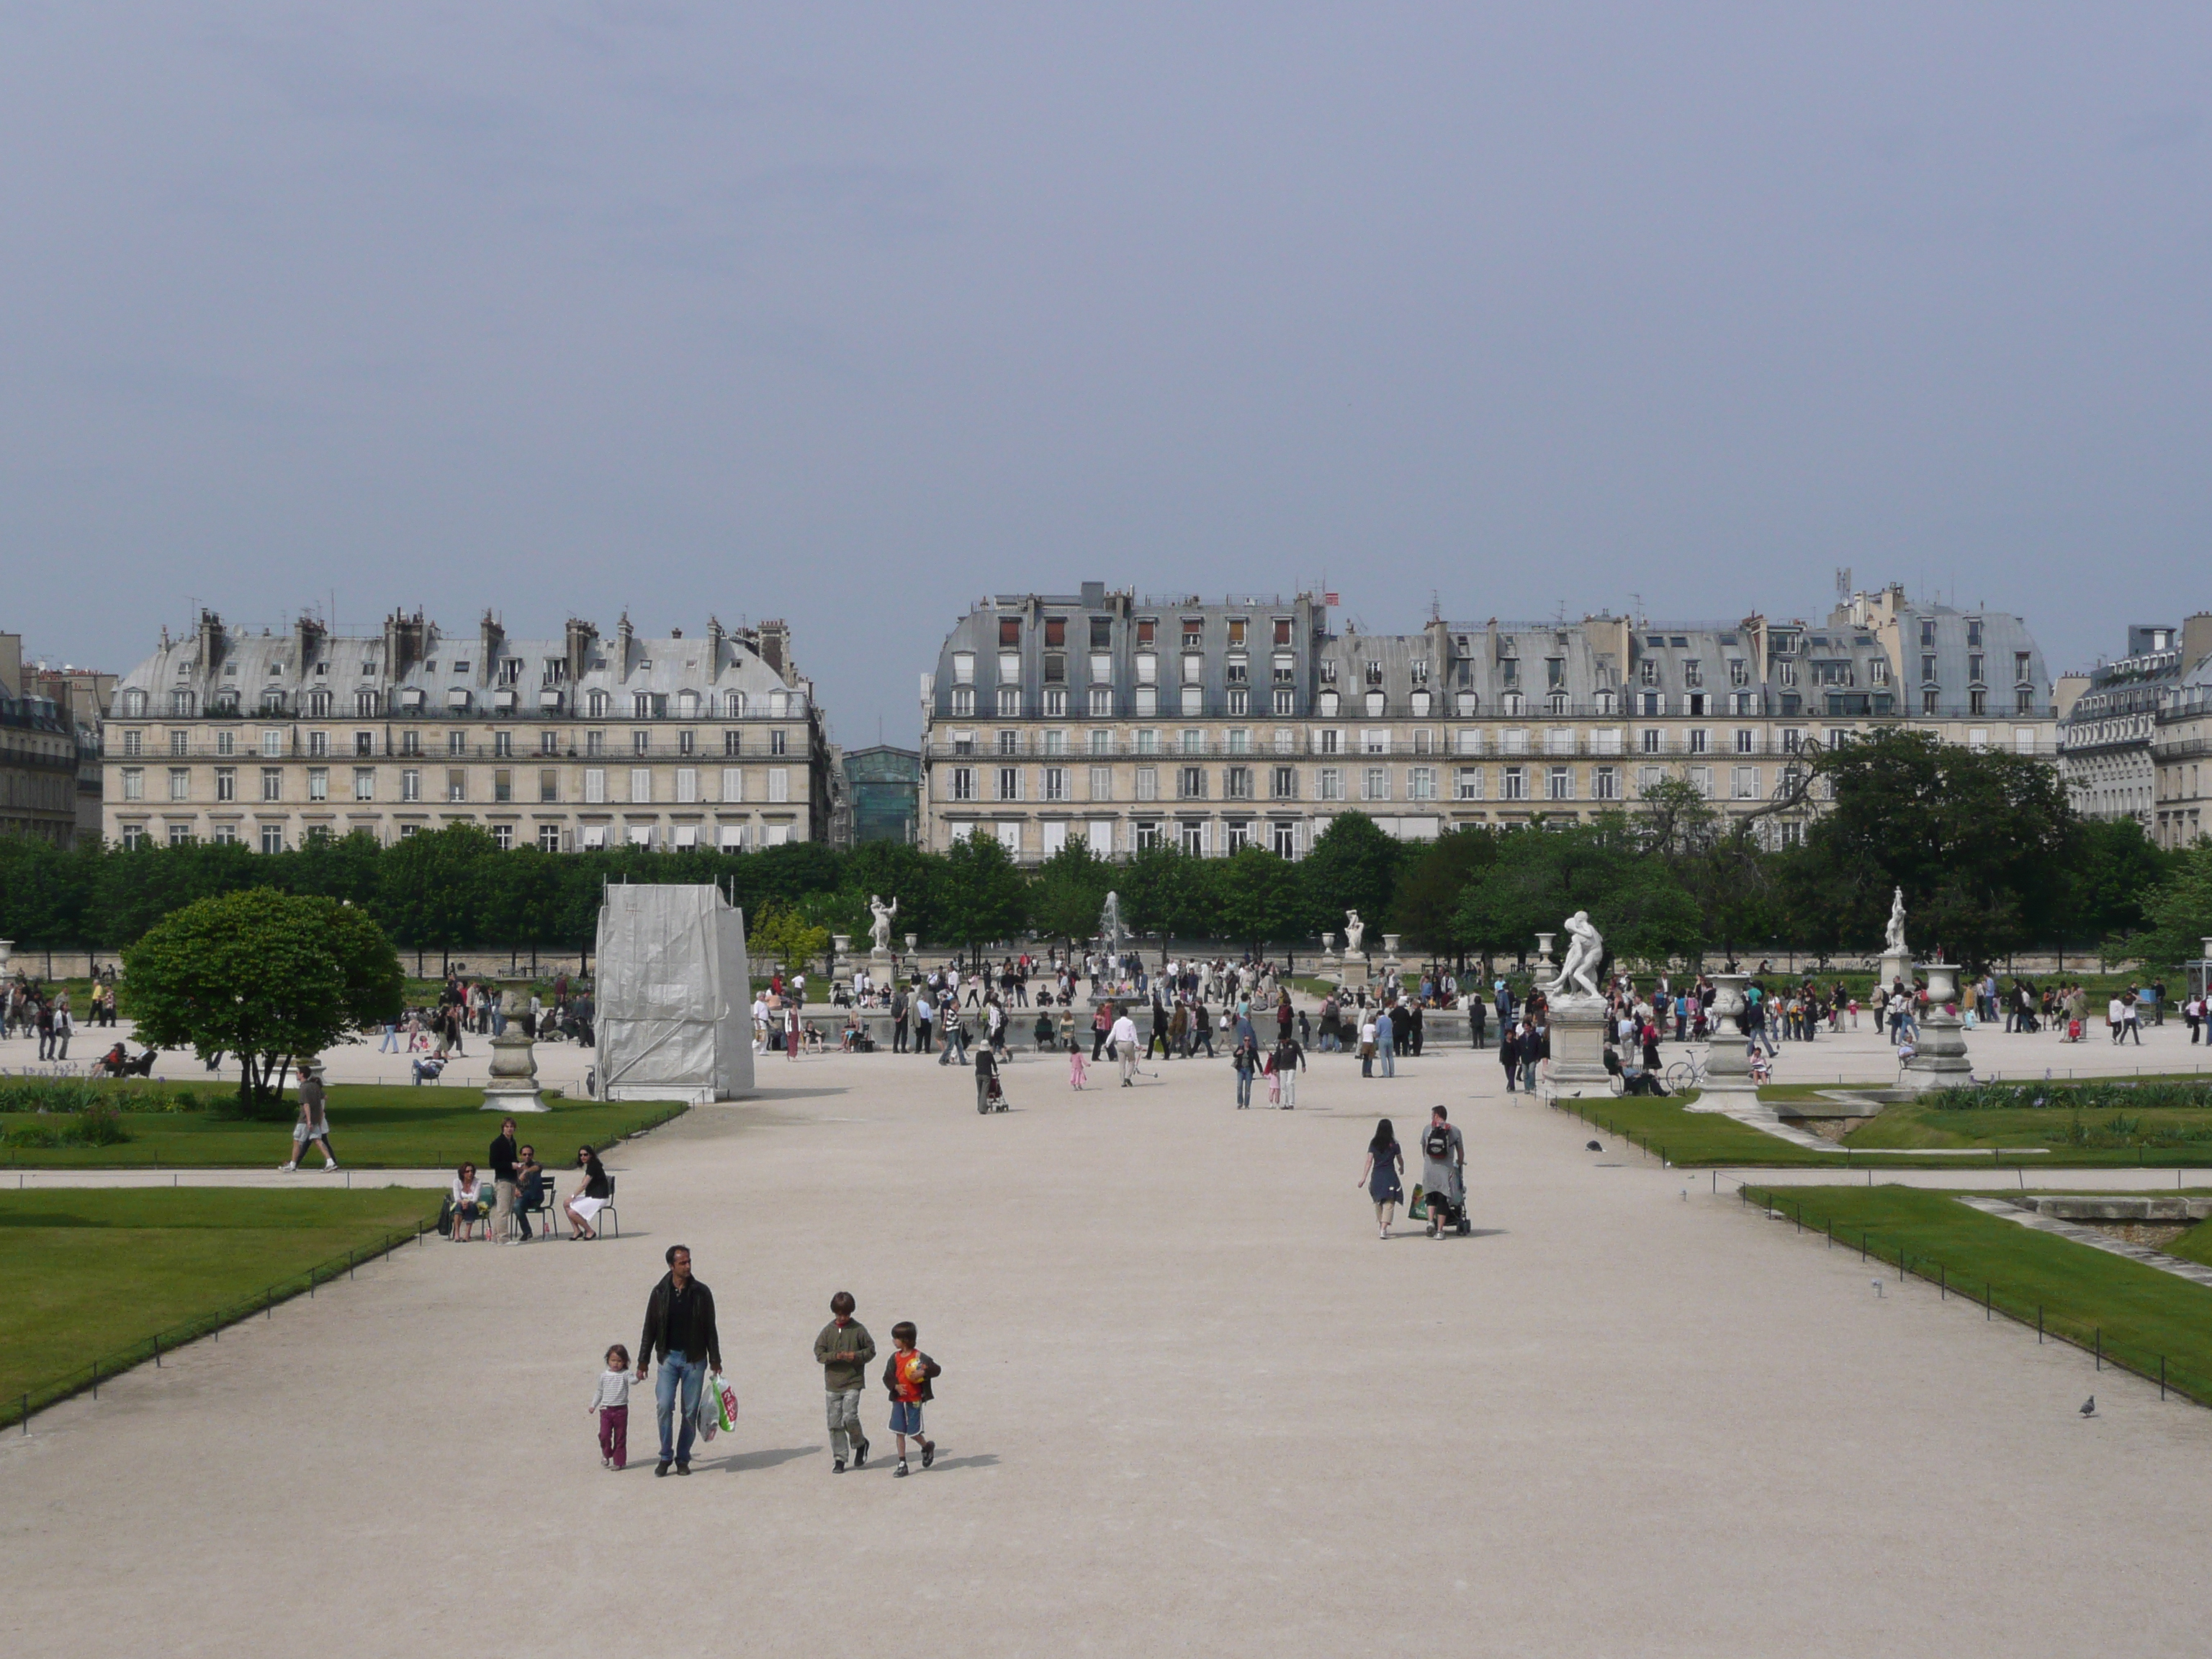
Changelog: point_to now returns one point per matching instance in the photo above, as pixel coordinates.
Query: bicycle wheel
(1683, 1075)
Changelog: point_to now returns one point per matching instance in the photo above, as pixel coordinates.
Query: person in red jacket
(908, 1374)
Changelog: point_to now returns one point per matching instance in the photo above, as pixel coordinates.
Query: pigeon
(1595, 1147)
(2089, 1407)
(1877, 1282)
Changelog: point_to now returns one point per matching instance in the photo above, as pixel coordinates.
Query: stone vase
(513, 1086)
(1727, 1067)
(1939, 1058)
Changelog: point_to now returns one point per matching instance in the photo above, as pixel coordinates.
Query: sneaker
(660, 1468)
(928, 1453)
(330, 1164)
(286, 1169)
(899, 1473)
(838, 1467)
(683, 1468)
(860, 1456)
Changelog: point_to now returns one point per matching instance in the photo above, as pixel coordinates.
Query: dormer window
(462, 666)
(1055, 632)
(1010, 630)
(1374, 671)
(1419, 670)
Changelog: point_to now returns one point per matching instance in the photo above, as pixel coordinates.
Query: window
(1928, 701)
(1190, 783)
(1559, 783)
(1009, 631)
(1743, 782)
(1328, 784)
(1926, 631)
(641, 785)
(410, 784)
(640, 742)
(1787, 673)
(318, 783)
(1701, 780)
(1515, 784)
(549, 837)
(1747, 741)
(687, 785)
(1192, 832)
(2023, 701)
(1699, 740)
(134, 836)
(1284, 783)
(779, 784)
(595, 786)
(1101, 702)
(733, 742)
(1102, 783)
(1283, 840)
(456, 785)
(226, 783)
(1515, 741)
(1375, 740)
(1010, 783)
(272, 837)
(1974, 665)
(1236, 783)
(503, 837)
(2020, 667)
(1148, 783)
(1238, 836)
(1974, 634)
(1421, 783)
(1375, 783)
(734, 783)
(1977, 702)
(1927, 668)
(1605, 783)
(963, 783)
(134, 783)
(1694, 672)
(180, 835)
(1649, 673)
(1466, 783)
(410, 742)
(180, 743)
(775, 742)
(1878, 671)
(1651, 704)
(964, 700)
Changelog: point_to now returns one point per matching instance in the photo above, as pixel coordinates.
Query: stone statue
(1354, 930)
(1111, 933)
(1893, 942)
(1585, 955)
(881, 927)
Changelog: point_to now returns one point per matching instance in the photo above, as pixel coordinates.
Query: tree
(1542, 876)
(1170, 891)
(2178, 912)
(1430, 890)
(1353, 865)
(1068, 893)
(1261, 898)
(984, 897)
(430, 887)
(2113, 868)
(782, 934)
(272, 977)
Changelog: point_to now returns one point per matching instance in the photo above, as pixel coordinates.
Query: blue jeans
(1244, 1088)
(690, 1374)
(1384, 1052)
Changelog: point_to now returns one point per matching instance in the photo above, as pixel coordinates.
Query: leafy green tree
(1434, 880)
(1542, 876)
(272, 977)
(334, 867)
(1068, 893)
(430, 887)
(46, 891)
(1974, 838)
(782, 934)
(984, 897)
(2177, 912)
(2112, 869)
(1353, 865)
(1261, 899)
(1168, 891)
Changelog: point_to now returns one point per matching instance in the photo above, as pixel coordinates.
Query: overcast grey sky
(851, 313)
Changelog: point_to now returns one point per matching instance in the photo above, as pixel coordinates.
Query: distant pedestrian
(908, 1374)
(1123, 1039)
(1382, 1175)
(502, 1158)
(844, 1351)
(1367, 1035)
(314, 1128)
(610, 1401)
(1075, 1072)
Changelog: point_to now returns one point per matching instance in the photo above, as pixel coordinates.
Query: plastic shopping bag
(726, 1400)
(706, 1419)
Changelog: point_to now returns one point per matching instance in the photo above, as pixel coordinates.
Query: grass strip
(103, 1280)
(2149, 1322)
(373, 1127)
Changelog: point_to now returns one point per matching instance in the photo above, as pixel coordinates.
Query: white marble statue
(1892, 941)
(1585, 954)
(881, 927)
(1354, 930)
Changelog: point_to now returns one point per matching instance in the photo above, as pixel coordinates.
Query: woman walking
(1386, 1164)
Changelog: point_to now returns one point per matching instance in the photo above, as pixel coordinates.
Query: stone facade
(41, 753)
(1123, 721)
(565, 744)
(2181, 744)
(2126, 741)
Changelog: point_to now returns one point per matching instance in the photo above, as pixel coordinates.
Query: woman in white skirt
(591, 1195)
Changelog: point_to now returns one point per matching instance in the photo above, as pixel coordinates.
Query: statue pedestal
(883, 966)
(1727, 1067)
(1354, 971)
(1895, 967)
(1939, 1058)
(1577, 1026)
(514, 1084)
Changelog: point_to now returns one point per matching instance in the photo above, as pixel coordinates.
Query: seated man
(427, 1068)
(529, 1188)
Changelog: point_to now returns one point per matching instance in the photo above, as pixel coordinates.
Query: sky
(853, 314)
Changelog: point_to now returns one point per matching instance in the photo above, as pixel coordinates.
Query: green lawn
(2082, 1294)
(94, 1274)
(372, 1126)
(1662, 1126)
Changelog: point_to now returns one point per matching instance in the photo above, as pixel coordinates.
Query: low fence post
(2101, 1347)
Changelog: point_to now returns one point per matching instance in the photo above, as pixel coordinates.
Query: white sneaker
(286, 1169)
(330, 1164)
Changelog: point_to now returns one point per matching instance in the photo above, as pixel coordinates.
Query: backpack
(1436, 1142)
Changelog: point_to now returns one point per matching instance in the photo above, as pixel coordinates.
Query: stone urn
(1727, 1067)
(7, 952)
(913, 943)
(512, 1085)
(840, 947)
(1544, 951)
(1390, 946)
(1938, 1057)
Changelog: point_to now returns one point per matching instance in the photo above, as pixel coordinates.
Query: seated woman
(589, 1197)
(1045, 1031)
(471, 1205)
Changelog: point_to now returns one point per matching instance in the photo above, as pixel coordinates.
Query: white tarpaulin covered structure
(675, 1000)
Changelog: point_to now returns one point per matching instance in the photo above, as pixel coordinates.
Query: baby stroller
(1444, 1213)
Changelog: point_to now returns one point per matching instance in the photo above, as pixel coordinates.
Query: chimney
(624, 634)
(306, 642)
(403, 642)
(774, 643)
(580, 637)
(2195, 638)
(714, 637)
(210, 643)
(490, 637)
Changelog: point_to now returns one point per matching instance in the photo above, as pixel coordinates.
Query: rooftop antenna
(1843, 584)
(1637, 601)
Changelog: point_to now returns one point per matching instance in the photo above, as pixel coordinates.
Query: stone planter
(1727, 1067)
(1939, 1059)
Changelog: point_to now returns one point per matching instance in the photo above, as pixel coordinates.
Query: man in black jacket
(679, 1332)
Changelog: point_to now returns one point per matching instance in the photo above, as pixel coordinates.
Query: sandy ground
(1190, 1404)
